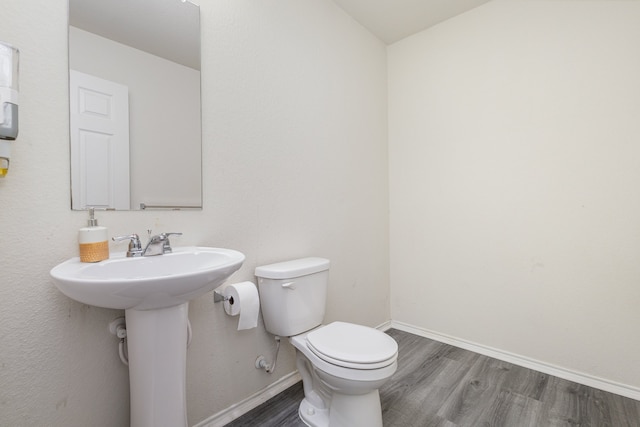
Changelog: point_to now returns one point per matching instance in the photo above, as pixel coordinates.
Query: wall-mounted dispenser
(9, 57)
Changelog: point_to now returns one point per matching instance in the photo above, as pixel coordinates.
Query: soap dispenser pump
(93, 241)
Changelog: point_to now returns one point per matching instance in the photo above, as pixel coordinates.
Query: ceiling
(393, 20)
(157, 26)
(166, 28)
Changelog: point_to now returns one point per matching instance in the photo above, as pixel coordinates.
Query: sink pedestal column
(157, 344)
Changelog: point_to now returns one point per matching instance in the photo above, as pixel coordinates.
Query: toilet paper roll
(243, 300)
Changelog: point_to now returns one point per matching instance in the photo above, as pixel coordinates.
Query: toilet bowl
(342, 365)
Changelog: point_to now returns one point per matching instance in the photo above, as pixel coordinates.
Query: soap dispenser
(93, 241)
(8, 103)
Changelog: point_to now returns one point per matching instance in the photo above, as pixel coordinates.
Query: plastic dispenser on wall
(9, 56)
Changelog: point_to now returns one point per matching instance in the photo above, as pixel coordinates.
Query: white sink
(155, 292)
(147, 283)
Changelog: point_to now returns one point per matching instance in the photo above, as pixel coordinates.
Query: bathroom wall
(514, 153)
(295, 164)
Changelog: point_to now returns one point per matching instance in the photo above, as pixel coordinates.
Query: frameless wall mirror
(135, 118)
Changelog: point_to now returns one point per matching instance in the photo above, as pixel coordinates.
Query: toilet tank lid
(294, 268)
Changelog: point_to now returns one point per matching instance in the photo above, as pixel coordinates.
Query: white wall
(514, 179)
(295, 164)
(164, 112)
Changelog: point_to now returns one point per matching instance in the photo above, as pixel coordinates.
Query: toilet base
(361, 410)
(312, 416)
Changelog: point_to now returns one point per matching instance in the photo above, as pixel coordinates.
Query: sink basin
(147, 283)
(155, 292)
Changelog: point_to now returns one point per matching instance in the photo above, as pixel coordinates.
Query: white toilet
(342, 365)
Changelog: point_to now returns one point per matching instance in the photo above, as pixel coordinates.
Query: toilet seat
(358, 373)
(352, 346)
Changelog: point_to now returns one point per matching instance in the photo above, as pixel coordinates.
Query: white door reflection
(99, 142)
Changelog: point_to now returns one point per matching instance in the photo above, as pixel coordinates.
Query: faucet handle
(166, 247)
(172, 234)
(135, 247)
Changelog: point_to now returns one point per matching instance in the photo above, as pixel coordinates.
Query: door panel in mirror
(99, 143)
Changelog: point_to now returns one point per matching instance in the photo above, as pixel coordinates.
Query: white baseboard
(235, 411)
(567, 374)
(384, 326)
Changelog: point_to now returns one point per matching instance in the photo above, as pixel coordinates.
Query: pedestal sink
(155, 293)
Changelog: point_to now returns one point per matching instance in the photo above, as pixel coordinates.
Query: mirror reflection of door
(153, 48)
(99, 142)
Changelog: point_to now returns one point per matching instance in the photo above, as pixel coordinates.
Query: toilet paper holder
(241, 299)
(220, 297)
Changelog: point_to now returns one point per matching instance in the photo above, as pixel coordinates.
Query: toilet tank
(293, 295)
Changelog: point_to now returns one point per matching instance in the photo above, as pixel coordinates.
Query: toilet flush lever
(289, 285)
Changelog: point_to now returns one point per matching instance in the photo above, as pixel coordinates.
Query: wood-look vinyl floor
(438, 385)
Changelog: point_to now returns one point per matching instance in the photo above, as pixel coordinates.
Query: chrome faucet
(157, 245)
